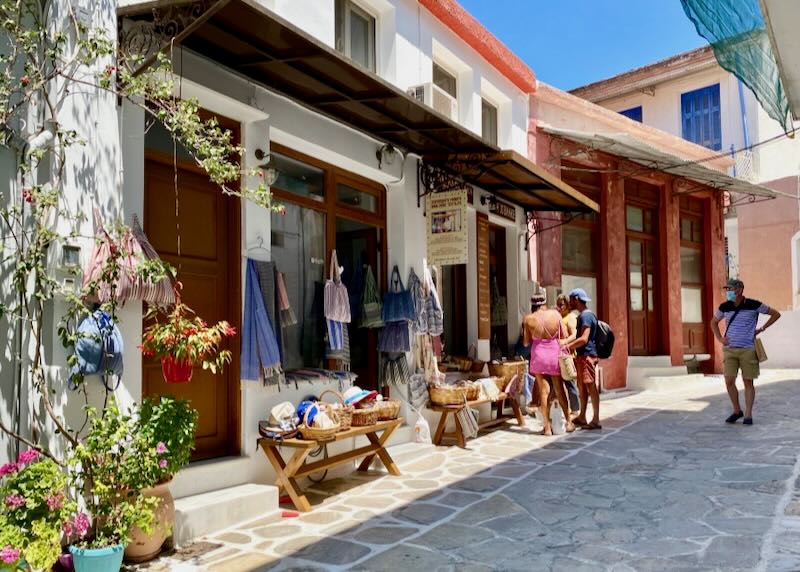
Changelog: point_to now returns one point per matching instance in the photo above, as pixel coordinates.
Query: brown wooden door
(642, 296)
(201, 243)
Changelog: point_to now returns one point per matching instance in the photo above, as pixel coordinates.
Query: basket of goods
(339, 411)
(477, 366)
(473, 390)
(503, 371)
(387, 409)
(317, 425)
(447, 394)
(364, 412)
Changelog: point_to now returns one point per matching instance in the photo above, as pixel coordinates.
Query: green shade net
(736, 31)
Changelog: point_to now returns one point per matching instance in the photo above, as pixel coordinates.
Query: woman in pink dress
(542, 330)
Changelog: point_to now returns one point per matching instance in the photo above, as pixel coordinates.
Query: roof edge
(469, 29)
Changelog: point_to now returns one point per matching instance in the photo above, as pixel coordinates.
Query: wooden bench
(458, 434)
(287, 473)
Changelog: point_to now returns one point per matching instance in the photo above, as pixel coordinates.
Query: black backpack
(604, 340)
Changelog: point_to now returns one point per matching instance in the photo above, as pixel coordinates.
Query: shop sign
(503, 209)
(447, 228)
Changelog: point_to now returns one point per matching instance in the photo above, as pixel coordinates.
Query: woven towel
(287, 314)
(260, 357)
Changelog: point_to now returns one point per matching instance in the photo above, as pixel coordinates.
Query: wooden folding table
(458, 434)
(287, 473)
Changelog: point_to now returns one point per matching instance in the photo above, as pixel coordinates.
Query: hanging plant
(183, 340)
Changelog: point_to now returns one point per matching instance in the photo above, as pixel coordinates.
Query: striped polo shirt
(741, 330)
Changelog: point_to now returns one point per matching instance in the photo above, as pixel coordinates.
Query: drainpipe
(743, 108)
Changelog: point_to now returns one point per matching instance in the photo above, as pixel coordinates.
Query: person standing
(586, 358)
(739, 354)
(569, 318)
(542, 331)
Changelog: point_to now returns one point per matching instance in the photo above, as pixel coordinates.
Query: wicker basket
(317, 433)
(387, 409)
(504, 371)
(473, 391)
(477, 366)
(365, 416)
(447, 395)
(343, 414)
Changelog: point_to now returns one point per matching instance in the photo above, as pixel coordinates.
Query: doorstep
(206, 513)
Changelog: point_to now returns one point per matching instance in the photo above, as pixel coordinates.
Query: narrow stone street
(666, 485)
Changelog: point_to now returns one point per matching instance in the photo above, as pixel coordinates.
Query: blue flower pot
(107, 559)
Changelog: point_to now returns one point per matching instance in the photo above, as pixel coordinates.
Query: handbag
(371, 307)
(395, 370)
(394, 338)
(761, 352)
(337, 302)
(398, 305)
(465, 418)
(419, 324)
(566, 364)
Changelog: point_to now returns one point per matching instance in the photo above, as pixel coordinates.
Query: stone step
(649, 361)
(666, 383)
(206, 513)
(636, 375)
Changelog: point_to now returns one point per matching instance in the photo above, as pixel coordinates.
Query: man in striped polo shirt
(741, 328)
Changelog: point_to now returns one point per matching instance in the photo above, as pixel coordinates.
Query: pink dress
(544, 353)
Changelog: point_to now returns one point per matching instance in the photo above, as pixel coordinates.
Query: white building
(319, 89)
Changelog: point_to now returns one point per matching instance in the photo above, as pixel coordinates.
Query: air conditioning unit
(434, 96)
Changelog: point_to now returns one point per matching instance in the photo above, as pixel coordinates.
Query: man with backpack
(585, 346)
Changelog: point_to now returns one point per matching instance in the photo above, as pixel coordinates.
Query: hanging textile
(337, 345)
(434, 315)
(371, 302)
(337, 301)
(419, 325)
(394, 337)
(260, 358)
(738, 34)
(288, 317)
(269, 292)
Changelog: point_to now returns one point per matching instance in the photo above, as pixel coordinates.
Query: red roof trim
(455, 17)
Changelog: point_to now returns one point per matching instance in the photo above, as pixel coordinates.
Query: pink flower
(15, 501)
(161, 448)
(78, 526)
(9, 555)
(8, 468)
(28, 456)
(54, 501)
(162, 463)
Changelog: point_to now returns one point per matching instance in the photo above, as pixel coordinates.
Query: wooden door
(642, 296)
(201, 243)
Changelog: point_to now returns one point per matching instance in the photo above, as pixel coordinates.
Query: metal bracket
(749, 200)
(436, 179)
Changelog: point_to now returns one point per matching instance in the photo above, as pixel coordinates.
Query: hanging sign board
(503, 209)
(447, 228)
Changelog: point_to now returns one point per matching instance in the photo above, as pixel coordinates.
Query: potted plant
(165, 426)
(100, 469)
(182, 340)
(34, 508)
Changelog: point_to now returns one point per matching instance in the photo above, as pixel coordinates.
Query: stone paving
(666, 485)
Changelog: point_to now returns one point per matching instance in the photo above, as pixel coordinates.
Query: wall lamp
(490, 200)
(271, 172)
(386, 154)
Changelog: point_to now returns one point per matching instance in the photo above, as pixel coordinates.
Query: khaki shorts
(743, 359)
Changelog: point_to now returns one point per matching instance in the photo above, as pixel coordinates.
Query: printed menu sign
(484, 300)
(447, 228)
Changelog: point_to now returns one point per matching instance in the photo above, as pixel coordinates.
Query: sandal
(747, 421)
(579, 423)
(592, 427)
(734, 417)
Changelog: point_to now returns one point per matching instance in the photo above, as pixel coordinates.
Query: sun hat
(281, 412)
(355, 394)
(580, 294)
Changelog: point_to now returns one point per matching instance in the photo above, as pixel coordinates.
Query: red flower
(228, 330)
(27, 195)
(25, 80)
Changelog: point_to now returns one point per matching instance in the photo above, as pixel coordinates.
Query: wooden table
(297, 467)
(458, 434)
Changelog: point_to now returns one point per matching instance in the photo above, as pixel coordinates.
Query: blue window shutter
(634, 113)
(701, 118)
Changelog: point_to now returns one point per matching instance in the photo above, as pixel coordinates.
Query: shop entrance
(498, 286)
(357, 248)
(643, 280)
(204, 252)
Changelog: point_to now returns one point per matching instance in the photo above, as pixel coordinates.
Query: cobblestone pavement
(666, 485)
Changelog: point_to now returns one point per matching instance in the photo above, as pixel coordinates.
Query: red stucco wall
(765, 233)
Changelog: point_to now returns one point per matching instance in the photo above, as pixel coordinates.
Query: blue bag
(398, 305)
(98, 350)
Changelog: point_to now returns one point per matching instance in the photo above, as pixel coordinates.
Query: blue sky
(569, 43)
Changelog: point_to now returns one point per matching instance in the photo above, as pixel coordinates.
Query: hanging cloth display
(337, 345)
(337, 302)
(395, 337)
(419, 325)
(288, 317)
(398, 306)
(434, 315)
(260, 356)
(499, 306)
(371, 302)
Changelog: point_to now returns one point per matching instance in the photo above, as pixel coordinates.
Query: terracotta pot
(176, 371)
(144, 547)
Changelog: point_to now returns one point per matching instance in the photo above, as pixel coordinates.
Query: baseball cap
(580, 294)
(734, 283)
